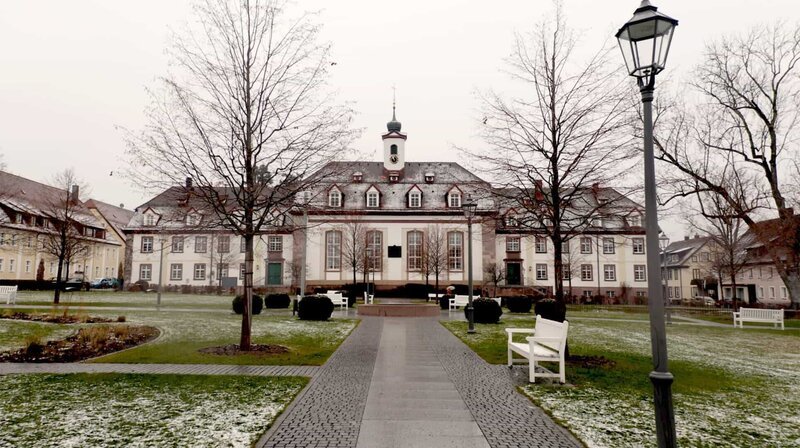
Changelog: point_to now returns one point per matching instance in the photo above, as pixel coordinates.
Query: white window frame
(610, 272)
(541, 271)
(587, 273)
(149, 220)
(200, 248)
(540, 245)
(414, 199)
(177, 245)
(513, 244)
(639, 273)
(144, 268)
(455, 251)
(373, 199)
(333, 250)
(226, 239)
(454, 199)
(275, 243)
(176, 272)
(199, 271)
(638, 246)
(375, 247)
(609, 247)
(586, 245)
(335, 198)
(415, 240)
(146, 246)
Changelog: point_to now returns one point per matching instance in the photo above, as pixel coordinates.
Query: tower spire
(394, 125)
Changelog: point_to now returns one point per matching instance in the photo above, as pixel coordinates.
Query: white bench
(548, 343)
(774, 317)
(462, 300)
(337, 298)
(9, 293)
(369, 298)
(434, 296)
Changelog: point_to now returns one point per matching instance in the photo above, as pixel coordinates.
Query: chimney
(696, 236)
(75, 194)
(686, 238)
(188, 182)
(121, 205)
(538, 194)
(596, 186)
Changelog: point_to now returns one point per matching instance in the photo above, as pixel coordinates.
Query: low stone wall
(399, 310)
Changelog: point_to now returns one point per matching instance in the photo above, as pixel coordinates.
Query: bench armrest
(543, 339)
(512, 331)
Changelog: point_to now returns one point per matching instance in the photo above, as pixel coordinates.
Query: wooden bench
(337, 298)
(369, 298)
(548, 344)
(759, 315)
(9, 293)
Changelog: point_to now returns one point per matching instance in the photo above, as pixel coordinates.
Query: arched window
(333, 250)
(393, 150)
(455, 251)
(415, 239)
(415, 199)
(374, 250)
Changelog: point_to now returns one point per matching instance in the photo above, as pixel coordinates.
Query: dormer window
(149, 219)
(415, 199)
(597, 222)
(511, 221)
(429, 178)
(372, 199)
(334, 198)
(358, 176)
(634, 220)
(454, 199)
(192, 219)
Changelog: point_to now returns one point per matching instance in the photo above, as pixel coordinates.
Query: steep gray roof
(684, 249)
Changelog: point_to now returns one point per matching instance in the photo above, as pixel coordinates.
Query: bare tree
(435, 253)
(549, 150)
(720, 222)
(493, 273)
(246, 115)
(354, 245)
(739, 143)
(64, 241)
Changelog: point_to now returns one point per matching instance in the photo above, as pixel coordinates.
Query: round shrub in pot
(277, 301)
(551, 309)
(444, 302)
(315, 308)
(487, 311)
(519, 304)
(238, 304)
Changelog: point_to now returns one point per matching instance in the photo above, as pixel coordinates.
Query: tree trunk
(244, 342)
(57, 293)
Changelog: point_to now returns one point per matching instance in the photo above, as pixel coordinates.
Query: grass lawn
(116, 410)
(183, 334)
(15, 334)
(732, 388)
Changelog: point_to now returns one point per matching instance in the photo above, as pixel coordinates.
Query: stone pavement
(178, 369)
(408, 382)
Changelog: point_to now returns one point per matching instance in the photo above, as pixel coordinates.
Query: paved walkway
(408, 382)
(179, 369)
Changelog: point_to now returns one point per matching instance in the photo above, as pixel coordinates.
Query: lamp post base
(470, 318)
(665, 420)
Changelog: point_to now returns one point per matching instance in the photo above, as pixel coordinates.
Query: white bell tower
(394, 145)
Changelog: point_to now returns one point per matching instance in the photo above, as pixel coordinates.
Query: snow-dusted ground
(125, 299)
(13, 333)
(139, 410)
(762, 410)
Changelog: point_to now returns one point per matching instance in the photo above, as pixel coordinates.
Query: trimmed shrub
(444, 302)
(551, 309)
(519, 304)
(277, 301)
(315, 308)
(487, 311)
(238, 304)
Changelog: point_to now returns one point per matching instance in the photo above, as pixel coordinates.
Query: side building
(175, 240)
(30, 217)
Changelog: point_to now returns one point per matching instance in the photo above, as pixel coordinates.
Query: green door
(275, 273)
(513, 274)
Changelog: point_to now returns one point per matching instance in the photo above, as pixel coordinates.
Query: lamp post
(645, 40)
(469, 208)
(663, 243)
(371, 267)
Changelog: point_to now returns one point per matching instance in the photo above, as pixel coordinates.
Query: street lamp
(371, 267)
(469, 208)
(645, 40)
(663, 243)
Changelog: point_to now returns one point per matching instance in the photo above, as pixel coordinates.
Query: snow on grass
(15, 333)
(125, 299)
(116, 410)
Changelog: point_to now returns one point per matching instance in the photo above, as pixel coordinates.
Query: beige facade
(686, 267)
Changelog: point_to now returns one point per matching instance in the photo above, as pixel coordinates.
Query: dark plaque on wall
(395, 252)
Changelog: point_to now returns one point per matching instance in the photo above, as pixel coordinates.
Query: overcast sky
(73, 71)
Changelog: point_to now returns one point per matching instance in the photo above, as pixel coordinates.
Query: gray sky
(73, 71)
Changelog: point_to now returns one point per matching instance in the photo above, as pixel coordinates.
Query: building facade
(28, 221)
(396, 222)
